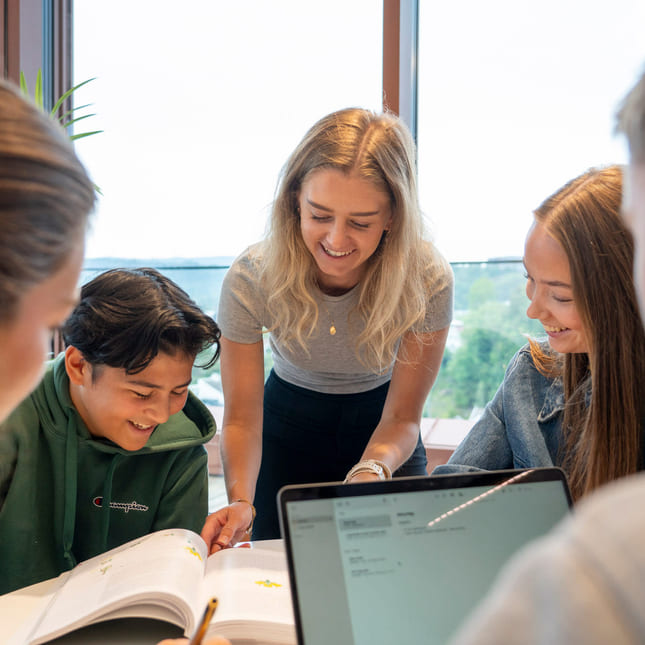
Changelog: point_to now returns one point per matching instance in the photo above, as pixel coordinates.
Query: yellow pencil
(200, 632)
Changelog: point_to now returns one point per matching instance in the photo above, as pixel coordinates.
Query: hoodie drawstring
(107, 499)
(69, 493)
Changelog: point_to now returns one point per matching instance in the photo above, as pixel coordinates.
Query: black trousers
(310, 437)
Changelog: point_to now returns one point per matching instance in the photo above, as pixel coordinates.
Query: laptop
(404, 561)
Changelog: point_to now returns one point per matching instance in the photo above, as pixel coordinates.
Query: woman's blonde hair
(394, 291)
(602, 435)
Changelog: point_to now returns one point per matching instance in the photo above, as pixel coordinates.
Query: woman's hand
(229, 525)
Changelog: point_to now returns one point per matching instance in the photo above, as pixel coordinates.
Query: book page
(252, 586)
(164, 568)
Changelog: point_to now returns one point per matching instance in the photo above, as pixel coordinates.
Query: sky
(517, 97)
(202, 106)
(201, 103)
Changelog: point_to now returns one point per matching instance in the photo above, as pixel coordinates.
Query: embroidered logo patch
(122, 506)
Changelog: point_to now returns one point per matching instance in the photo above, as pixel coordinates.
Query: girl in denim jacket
(577, 400)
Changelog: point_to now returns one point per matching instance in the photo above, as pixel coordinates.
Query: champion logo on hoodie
(124, 506)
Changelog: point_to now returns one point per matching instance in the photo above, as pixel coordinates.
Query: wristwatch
(369, 466)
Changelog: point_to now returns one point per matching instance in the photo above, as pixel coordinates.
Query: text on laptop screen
(408, 566)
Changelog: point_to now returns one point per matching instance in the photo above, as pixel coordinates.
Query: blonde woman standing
(357, 306)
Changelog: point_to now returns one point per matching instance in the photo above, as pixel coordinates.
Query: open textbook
(169, 576)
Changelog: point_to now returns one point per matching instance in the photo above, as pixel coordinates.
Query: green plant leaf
(81, 135)
(37, 98)
(63, 116)
(23, 84)
(63, 120)
(67, 94)
(38, 91)
(66, 124)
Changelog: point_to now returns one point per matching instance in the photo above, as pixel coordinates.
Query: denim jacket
(520, 428)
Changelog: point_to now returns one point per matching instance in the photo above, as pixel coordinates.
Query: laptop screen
(406, 560)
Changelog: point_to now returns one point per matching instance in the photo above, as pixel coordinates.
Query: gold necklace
(332, 326)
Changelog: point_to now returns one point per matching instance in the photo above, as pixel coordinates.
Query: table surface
(18, 606)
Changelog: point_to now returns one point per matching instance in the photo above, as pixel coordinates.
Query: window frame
(400, 54)
(37, 34)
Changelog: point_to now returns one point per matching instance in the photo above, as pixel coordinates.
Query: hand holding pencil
(198, 636)
(185, 641)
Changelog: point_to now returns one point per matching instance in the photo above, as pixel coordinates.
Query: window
(201, 103)
(516, 97)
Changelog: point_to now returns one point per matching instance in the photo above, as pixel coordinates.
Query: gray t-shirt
(331, 366)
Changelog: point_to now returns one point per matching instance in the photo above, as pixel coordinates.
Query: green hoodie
(66, 496)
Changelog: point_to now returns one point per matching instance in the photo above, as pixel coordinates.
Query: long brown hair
(602, 435)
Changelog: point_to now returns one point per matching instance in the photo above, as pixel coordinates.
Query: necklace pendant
(332, 330)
